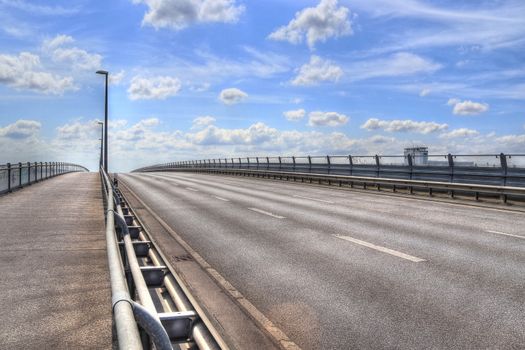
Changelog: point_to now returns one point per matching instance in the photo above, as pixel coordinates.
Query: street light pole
(106, 74)
(101, 163)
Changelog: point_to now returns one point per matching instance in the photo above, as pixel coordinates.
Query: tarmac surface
(54, 281)
(342, 269)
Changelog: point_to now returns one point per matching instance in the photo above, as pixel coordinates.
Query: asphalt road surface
(337, 269)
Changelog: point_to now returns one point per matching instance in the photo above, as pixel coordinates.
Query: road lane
(328, 293)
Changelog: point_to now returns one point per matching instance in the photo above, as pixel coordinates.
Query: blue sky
(195, 79)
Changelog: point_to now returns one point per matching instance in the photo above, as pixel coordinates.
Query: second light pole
(106, 74)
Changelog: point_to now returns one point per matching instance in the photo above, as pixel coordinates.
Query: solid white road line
(381, 249)
(222, 199)
(314, 199)
(266, 213)
(192, 189)
(506, 234)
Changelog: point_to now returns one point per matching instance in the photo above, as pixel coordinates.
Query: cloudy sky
(193, 79)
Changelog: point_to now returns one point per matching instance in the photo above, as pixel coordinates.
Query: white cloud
(22, 72)
(316, 71)
(42, 9)
(467, 107)
(116, 78)
(404, 126)
(424, 92)
(159, 88)
(319, 23)
(255, 134)
(482, 25)
(319, 118)
(203, 121)
(78, 131)
(179, 14)
(200, 87)
(461, 132)
(295, 115)
(59, 40)
(78, 58)
(232, 96)
(21, 129)
(117, 123)
(398, 64)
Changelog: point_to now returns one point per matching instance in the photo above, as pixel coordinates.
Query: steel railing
(488, 169)
(396, 185)
(13, 176)
(137, 270)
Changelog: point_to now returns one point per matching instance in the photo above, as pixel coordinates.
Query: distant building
(419, 155)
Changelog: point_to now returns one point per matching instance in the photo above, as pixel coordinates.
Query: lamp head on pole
(102, 72)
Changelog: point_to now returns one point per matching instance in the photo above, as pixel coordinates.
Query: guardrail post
(351, 163)
(377, 164)
(257, 160)
(248, 161)
(329, 165)
(409, 161)
(293, 160)
(8, 177)
(36, 171)
(279, 162)
(19, 174)
(240, 163)
(28, 173)
(309, 164)
(41, 170)
(504, 167)
(450, 159)
(267, 163)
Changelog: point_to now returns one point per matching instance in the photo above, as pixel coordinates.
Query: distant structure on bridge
(418, 154)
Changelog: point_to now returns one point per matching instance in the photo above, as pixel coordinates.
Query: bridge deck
(54, 281)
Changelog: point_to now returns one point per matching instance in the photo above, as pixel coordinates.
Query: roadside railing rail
(138, 274)
(396, 185)
(489, 169)
(18, 175)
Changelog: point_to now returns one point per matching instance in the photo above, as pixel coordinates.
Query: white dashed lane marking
(381, 249)
(260, 211)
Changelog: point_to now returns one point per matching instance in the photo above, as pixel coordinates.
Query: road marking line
(267, 213)
(381, 249)
(192, 189)
(222, 199)
(506, 234)
(314, 199)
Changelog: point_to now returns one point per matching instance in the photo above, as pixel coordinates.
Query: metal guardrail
(452, 189)
(137, 270)
(489, 169)
(13, 176)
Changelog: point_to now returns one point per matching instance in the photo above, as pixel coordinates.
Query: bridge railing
(17, 175)
(138, 273)
(488, 169)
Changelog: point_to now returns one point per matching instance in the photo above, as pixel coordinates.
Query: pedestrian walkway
(54, 279)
